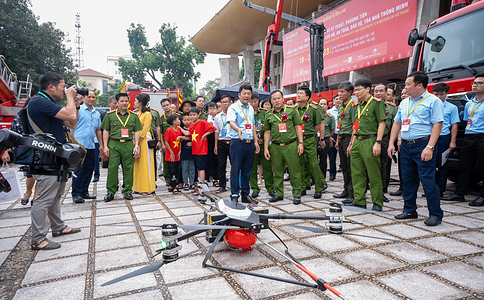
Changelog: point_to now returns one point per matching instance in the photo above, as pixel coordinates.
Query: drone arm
(293, 217)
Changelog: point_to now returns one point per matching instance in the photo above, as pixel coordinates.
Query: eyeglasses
(478, 83)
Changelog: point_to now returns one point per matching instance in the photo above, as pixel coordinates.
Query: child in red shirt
(172, 138)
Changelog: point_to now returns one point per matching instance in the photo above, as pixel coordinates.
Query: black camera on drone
(42, 154)
(84, 91)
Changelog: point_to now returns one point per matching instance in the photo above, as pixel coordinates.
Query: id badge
(124, 132)
(248, 129)
(302, 127)
(356, 125)
(224, 132)
(339, 126)
(406, 125)
(469, 123)
(282, 127)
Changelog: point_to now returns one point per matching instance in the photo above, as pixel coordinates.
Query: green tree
(171, 57)
(102, 99)
(210, 87)
(30, 47)
(257, 68)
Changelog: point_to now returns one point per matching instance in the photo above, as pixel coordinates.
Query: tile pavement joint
(89, 287)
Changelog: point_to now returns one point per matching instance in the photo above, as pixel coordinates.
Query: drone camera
(169, 233)
(257, 227)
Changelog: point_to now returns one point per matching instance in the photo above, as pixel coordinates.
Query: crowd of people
(263, 139)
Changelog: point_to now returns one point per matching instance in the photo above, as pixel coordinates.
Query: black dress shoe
(87, 196)
(404, 216)
(248, 199)
(396, 193)
(77, 199)
(324, 187)
(317, 195)
(297, 200)
(332, 178)
(272, 194)
(220, 190)
(303, 193)
(342, 195)
(128, 196)
(287, 178)
(433, 221)
(478, 202)
(95, 179)
(255, 194)
(348, 200)
(276, 198)
(376, 207)
(357, 205)
(340, 170)
(385, 199)
(454, 197)
(108, 197)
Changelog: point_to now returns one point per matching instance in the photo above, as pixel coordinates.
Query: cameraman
(47, 116)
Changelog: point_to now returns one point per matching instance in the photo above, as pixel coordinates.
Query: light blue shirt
(334, 112)
(236, 113)
(422, 119)
(89, 121)
(451, 116)
(477, 125)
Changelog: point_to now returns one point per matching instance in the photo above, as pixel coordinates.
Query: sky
(104, 24)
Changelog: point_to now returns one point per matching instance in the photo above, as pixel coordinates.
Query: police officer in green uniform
(380, 92)
(365, 146)
(121, 128)
(259, 116)
(200, 102)
(346, 112)
(311, 116)
(166, 106)
(324, 137)
(282, 126)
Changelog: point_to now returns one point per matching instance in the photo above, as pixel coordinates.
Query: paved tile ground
(382, 258)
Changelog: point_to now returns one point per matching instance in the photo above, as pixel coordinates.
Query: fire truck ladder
(316, 44)
(8, 82)
(24, 91)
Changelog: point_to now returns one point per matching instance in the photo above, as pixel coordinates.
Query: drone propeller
(186, 227)
(148, 269)
(320, 230)
(202, 185)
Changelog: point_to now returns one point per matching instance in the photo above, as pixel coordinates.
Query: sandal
(50, 245)
(60, 233)
(192, 187)
(215, 183)
(170, 189)
(186, 187)
(24, 201)
(176, 191)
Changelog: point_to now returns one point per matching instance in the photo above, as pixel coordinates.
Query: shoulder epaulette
(155, 109)
(135, 110)
(391, 103)
(377, 99)
(313, 106)
(111, 111)
(327, 114)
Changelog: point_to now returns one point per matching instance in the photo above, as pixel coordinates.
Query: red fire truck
(452, 51)
(175, 96)
(13, 94)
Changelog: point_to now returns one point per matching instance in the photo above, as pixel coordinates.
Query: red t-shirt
(197, 130)
(170, 136)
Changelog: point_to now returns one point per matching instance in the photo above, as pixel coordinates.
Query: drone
(238, 225)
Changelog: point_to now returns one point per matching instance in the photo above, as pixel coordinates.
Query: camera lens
(82, 91)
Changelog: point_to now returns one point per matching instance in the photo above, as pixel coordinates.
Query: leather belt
(121, 141)
(364, 137)
(416, 140)
(309, 136)
(246, 141)
(225, 142)
(286, 143)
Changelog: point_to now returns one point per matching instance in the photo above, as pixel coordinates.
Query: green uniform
(310, 116)
(259, 117)
(283, 149)
(386, 161)
(363, 164)
(155, 123)
(203, 115)
(346, 118)
(120, 148)
(323, 153)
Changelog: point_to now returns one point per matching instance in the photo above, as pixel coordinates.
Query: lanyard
(274, 112)
(223, 122)
(408, 114)
(473, 111)
(360, 113)
(246, 118)
(346, 107)
(124, 124)
(307, 107)
(45, 96)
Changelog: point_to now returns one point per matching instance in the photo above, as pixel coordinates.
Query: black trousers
(212, 164)
(472, 151)
(344, 141)
(223, 153)
(173, 167)
(323, 157)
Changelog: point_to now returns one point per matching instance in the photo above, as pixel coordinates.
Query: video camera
(42, 154)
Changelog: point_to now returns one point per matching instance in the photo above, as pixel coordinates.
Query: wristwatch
(431, 147)
(378, 141)
(301, 143)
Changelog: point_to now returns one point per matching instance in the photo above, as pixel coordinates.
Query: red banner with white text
(359, 34)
